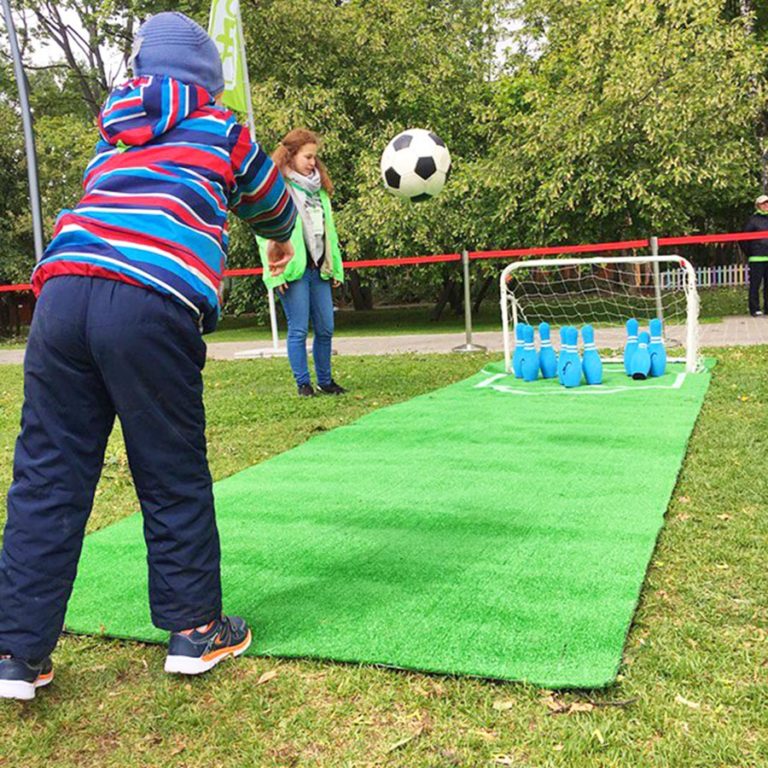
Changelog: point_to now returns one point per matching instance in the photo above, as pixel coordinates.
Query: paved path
(732, 331)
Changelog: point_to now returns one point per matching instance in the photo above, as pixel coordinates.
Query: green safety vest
(298, 264)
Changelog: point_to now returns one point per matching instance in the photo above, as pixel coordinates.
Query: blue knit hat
(172, 44)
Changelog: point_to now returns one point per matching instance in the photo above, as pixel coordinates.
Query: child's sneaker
(20, 679)
(196, 651)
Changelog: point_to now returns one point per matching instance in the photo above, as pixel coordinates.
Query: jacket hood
(143, 108)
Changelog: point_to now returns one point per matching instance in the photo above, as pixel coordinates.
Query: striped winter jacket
(166, 169)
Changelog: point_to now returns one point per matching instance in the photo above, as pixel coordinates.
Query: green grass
(692, 691)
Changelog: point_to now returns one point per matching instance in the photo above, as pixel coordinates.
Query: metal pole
(273, 319)
(252, 127)
(29, 134)
(657, 279)
(468, 346)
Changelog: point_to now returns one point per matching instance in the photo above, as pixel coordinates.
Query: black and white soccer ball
(415, 164)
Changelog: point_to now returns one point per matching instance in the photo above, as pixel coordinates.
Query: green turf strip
(491, 528)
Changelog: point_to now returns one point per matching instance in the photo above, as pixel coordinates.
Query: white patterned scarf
(305, 191)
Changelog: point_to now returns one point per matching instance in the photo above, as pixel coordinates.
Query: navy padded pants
(99, 348)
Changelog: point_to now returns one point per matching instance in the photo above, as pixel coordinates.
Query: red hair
(292, 142)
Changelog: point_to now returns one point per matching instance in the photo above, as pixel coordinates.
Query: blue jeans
(309, 297)
(99, 349)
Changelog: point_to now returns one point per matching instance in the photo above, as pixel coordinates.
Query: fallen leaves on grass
(267, 676)
(559, 707)
(422, 727)
(450, 756)
(687, 702)
(503, 706)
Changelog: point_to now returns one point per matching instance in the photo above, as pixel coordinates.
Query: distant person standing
(756, 252)
(305, 285)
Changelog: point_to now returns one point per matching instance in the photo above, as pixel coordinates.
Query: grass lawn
(693, 688)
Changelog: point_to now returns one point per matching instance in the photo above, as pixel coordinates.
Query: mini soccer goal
(605, 292)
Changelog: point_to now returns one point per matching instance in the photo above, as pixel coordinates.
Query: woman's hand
(278, 256)
(336, 284)
(282, 288)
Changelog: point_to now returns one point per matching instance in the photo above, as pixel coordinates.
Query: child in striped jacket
(129, 281)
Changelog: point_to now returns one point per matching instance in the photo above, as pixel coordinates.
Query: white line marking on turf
(488, 382)
(584, 389)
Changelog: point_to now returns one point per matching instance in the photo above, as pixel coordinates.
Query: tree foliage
(602, 119)
(635, 117)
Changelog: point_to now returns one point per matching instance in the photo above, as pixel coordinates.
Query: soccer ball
(415, 164)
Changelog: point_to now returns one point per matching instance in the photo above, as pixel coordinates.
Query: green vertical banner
(226, 32)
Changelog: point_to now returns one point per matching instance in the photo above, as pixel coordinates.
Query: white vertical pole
(252, 128)
(29, 135)
(504, 301)
(692, 320)
(656, 279)
(273, 318)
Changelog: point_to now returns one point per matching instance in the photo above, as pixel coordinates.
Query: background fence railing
(724, 276)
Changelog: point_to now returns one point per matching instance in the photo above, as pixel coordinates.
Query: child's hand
(278, 256)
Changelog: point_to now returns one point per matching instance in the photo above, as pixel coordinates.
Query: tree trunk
(481, 294)
(456, 298)
(362, 297)
(443, 298)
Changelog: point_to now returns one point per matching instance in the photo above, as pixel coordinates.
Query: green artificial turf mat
(493, 528)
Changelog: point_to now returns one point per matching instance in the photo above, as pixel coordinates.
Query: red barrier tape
(243, 272)
(363, 264)
(513, 252)
(688, 240)
(557, 249)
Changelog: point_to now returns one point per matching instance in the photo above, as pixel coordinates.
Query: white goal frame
(508, 298)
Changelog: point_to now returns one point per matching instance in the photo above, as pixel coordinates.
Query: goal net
(604, 292)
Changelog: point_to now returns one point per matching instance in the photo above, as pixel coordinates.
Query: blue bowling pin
(530, 363)
(517, 358)
(563, 354)
(656, 349)
(591, 364)
(640, 366)
(631, 346)
(572, 367)
(547, 356)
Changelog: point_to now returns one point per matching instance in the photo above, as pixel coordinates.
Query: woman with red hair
(305, 285)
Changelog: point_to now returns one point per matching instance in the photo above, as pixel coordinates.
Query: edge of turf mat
(490, 528)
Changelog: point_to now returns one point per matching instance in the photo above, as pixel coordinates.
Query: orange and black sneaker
(195, 651)
(20, 679)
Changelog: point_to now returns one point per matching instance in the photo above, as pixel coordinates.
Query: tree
(637, 117)
(85, 46)
(358, 74)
